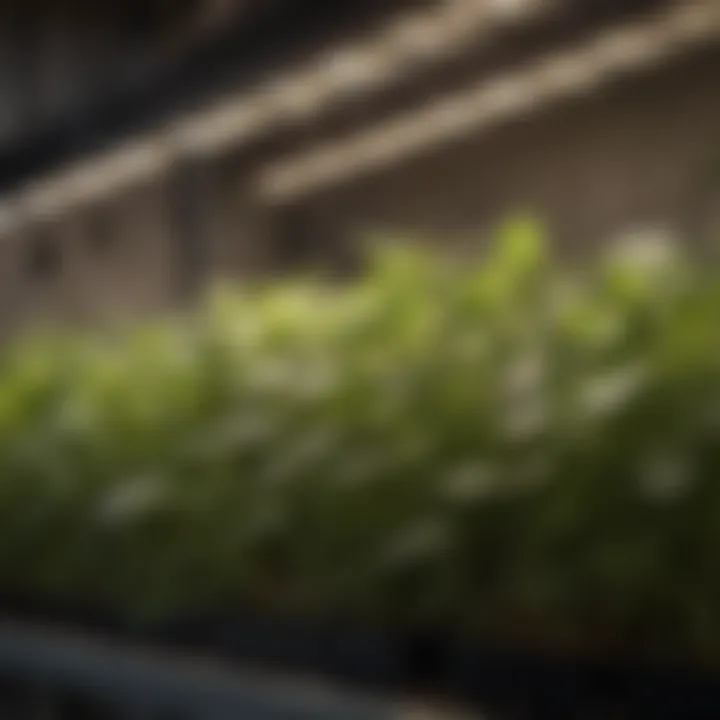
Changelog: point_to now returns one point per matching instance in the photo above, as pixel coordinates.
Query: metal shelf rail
(51, 674)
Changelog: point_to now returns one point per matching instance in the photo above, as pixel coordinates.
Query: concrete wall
(101, 263)
(635, 154)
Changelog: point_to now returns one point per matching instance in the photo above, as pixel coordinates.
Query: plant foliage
(507, 447)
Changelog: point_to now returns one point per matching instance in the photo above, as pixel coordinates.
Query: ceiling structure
(368, 66)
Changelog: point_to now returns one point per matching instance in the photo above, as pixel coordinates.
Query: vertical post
(239, 245)
(189, 194)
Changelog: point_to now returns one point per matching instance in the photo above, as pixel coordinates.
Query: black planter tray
(516, 684)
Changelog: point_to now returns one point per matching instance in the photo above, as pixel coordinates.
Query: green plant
(512, 447)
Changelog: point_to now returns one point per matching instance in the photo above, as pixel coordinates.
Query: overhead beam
(614, 53)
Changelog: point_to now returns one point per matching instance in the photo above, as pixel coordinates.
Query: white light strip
(94, 180)
(411, 42)
(85, 183)
(613, 53)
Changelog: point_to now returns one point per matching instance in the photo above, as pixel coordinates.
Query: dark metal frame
(273, 35)
(57, 675)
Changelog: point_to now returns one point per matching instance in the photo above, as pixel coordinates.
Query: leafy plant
(509, 447)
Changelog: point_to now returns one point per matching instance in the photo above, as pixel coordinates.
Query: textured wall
(636, 152)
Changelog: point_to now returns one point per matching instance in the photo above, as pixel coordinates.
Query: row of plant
(511, 448)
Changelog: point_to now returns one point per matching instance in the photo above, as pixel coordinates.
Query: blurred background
(151, 149)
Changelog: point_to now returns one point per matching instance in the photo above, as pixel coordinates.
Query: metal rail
(59, 675)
